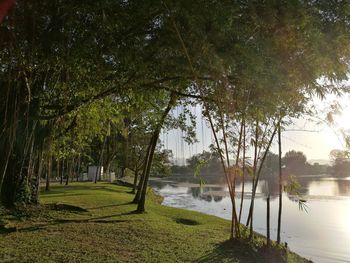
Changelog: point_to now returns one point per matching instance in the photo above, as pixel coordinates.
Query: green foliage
(293, 188)
(205, 164)
(161, 166)
(199, 166)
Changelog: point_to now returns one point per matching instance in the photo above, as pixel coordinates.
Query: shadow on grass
(94, 220)
(7, 230)
(66, 207)
(61, 189)
(185, 221)
(61, 194)
(241, 251)
(44, 209)
(231, 251)
(108, 206)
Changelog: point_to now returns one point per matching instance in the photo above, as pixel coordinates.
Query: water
(321, 234)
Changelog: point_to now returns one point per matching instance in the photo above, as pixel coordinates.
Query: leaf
(302, 205)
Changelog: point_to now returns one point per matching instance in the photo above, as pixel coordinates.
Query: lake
(321, 234)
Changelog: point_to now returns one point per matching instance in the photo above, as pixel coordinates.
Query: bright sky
(316, 142)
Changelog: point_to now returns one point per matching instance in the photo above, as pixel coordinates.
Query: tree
(54, 65)
(341, 163)
(205, 164)
(270, 166)
(295, 162)
(161, 164)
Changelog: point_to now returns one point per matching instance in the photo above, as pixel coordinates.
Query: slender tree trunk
(142, 179)
(268, 220)
(139, 189)
(71, 169)
(227, 176)
(78, 168)
(243, 173)
(254, 174)
(35, 198)
(153, 144)
(279, 185)
(31, 160)
(234, 216)
(69, 164)
(232, 182)
(106, 164)
(135, 180)
(48, 172)
(62, 172)
(7, 140)
(122, 175)
(255, 183)
(8, 169)
(57, 168)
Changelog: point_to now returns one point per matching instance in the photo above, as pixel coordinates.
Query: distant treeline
(294, 163)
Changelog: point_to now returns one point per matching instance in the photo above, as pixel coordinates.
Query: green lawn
(84, 222)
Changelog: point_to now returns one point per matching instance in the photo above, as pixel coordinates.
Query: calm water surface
(321, 234)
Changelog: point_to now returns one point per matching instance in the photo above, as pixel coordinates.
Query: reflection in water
(207, 193)
(322, 234)
(344, 188)
(329, 187)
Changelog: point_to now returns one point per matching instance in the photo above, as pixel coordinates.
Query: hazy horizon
(315, 140)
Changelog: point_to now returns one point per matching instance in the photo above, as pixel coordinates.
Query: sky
(314, 138)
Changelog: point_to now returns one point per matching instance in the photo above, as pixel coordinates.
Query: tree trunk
(254, 171)
(10, 118)
(141, 203)
(69, 164)
(35, 194)
(62, 172)
(243, 173)
(8, 188)
(255, 183)
(280, 185)
(135, 180)
(149, 159)
(233, 213)
(142, 179)
(48, 173)
(78, 168)
(122, 174)
(268, 220)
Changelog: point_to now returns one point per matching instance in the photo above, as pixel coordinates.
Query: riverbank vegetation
(295, 162)
(96, 222)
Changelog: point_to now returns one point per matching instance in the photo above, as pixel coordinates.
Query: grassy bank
(84, 222)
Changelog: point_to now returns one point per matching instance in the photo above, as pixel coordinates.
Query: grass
(84, 222)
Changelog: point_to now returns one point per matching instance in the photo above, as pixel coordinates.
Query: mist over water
(321, 234)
